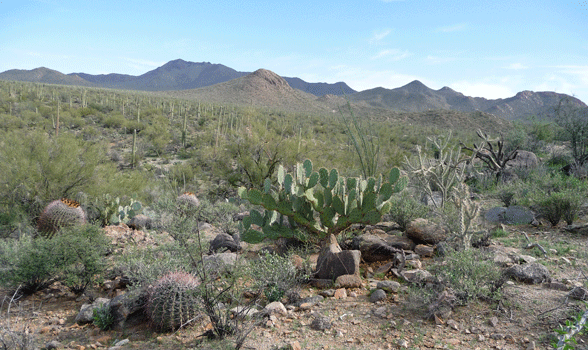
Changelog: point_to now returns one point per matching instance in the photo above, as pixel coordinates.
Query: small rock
(453, 324)
(579, 293)
(389, 286)
(276, 308)
(417, 276)
(321, 323)
(566, 260)
(531, 346)
(424, 250)
(493, 321)
(348, 281)
(378, 295)
(340, 293)
(327, 293)
(402, 343)
(497, 336)
(54, 344)
(122, 342)
(380, 312)
(295, 345)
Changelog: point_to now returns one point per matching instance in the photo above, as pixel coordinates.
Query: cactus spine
(58, 214)
(173, 301)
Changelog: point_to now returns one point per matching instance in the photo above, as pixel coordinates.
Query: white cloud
(142, 65)
(392, 54)
(482, 89)
(516, 66)
(577, 72)
(452, 28)
(379, 35)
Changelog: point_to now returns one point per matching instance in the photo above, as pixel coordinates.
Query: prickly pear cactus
(187, 202)
(320, 202)
(58, 214)
(173, 301)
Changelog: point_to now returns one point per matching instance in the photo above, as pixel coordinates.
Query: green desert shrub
(560, 205)
(75, 257)
(405, 209)
(470, 273)
(275, 275)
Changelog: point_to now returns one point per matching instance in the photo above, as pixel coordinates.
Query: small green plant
(567, 334)
(499, 233)
(558, 205)
(113, 211)
(319, 202)
(102, 317)
(405, 209)
(470, 273)
(275, 275)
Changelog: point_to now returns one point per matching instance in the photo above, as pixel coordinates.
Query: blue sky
(491, 49)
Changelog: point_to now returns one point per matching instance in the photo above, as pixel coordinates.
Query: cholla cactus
(468, 210)
(58, 214)
(173, 301)
(187, 202)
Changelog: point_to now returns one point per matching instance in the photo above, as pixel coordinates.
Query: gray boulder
(374, 247)
(225, 242)
(219, 263)
(86, 314)
(524, 159)
(140, 222)
(421, 230)
(513, 215)
(377, 295)
(532, 273)
(333, 262)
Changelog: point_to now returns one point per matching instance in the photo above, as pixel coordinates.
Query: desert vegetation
(77, 160)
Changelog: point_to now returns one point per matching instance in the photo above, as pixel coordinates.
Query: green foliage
(364, 140)
(75, 257)
(470, 273)
(319, 202)
(113, 211)
(558, 205)
(102, 317)
(275, 275)
(405, 208)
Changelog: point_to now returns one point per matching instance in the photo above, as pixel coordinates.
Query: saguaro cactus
(321, 202)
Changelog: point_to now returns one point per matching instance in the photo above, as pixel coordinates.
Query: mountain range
(219, 83)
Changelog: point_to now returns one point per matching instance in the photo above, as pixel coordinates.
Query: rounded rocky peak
(270, 77)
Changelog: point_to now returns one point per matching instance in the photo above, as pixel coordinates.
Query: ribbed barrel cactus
(187, 202)
(59, 214)
(174, 302)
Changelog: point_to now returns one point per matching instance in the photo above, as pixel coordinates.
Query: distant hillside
(174, 75)
(43, 75)
(417, 97)
(262, 88)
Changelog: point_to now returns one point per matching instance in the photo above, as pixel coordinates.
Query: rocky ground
(344, 318)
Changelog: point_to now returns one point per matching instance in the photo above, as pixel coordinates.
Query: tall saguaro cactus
(321, 202)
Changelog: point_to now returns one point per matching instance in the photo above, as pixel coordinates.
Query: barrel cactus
(58, 214)
(187, 202)
(173, 301)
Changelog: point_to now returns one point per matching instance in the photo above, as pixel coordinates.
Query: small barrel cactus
(173, 301)
(187, 202)
(58, 214)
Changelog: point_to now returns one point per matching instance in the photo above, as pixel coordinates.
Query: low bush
(405, 209)
(75, 257)
(275, 275)
(470, 273)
